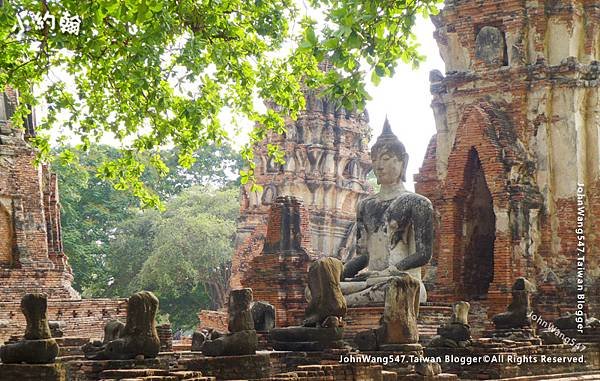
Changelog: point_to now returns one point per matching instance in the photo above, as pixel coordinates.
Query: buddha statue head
(389, 157)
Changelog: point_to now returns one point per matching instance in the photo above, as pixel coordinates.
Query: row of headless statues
(322, 328)
(394, 239)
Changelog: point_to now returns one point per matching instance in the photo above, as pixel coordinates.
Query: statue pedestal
(525, 334)
(431, 316)
(33, 372)
(307, 339)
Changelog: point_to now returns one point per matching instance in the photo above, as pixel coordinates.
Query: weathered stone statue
(399, 321)
(518, 314)
(113, 329)
(457, 332)
(38, 346)
(323, 324)
(325, 297)
(138, 338)
(241, 339)
(263, 315)
(394, 228)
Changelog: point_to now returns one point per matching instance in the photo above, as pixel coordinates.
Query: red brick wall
(504, 111)
(6, 237)
(278, 274)
(82, 318)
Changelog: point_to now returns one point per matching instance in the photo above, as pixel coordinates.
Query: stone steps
(561, 376)
(152, 375)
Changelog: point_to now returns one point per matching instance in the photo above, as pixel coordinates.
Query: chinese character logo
(69, 24)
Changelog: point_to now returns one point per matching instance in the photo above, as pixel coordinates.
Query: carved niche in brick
(490, 46)
(7, 235)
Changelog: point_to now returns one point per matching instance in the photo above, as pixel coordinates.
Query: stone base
(153, 374)
(431, 316)
(353, 372)
(30, 372)
(256, 366)
(307, 339)
(402, 348)
(308, 346)
(495, 358)
(42, 351)
(515, 334)
(79, 369)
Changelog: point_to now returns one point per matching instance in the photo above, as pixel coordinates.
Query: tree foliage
(97, 219)
(183, 255)
(151, 73)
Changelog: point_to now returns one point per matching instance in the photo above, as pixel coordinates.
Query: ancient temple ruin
(31, 253)
(517, 116)
(327, 163)
(32, 258)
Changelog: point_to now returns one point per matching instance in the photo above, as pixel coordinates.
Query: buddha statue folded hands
(394, 229)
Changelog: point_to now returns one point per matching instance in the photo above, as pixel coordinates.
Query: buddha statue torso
(394, 229)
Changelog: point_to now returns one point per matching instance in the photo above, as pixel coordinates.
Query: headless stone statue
(113, 329)
(326, 299)
(241, 339)
(518, 314)
(398, 328)
(263, 314)
(394, 229)
(38, 346)
(323, 324)
(137, 338)
(455, 333)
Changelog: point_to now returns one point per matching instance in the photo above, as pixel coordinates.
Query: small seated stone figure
(518, 314)
(398, 330)
(198, 339)
(112, 331)
(323, 324)
(241, 339)
(37, 346)
(394, 229)
(263, 314)
(457, 332)
(566, 322)
(56, 328)
(138, 338)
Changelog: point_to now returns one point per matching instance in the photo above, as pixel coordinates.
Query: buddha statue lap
(394, 229)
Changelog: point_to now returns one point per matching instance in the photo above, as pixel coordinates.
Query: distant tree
(90, 210)
(216, 166)
(94, 213)
(182, 255)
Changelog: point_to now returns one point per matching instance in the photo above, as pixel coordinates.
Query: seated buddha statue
(394, 229)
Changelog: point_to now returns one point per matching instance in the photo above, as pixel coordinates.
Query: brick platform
(362, 318)
(505, 367)
(30, 372)
(81, 318)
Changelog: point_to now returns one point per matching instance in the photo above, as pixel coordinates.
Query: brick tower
(327, 161)
(31, 253)
(517, 117)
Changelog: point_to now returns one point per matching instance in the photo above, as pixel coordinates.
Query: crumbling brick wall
(522, 91)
